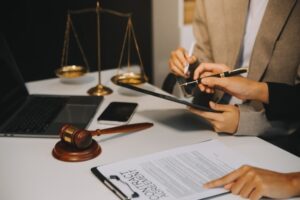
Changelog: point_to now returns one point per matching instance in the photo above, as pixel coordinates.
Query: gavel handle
(123, 128)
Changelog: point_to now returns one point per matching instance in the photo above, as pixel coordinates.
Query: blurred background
(35, 32)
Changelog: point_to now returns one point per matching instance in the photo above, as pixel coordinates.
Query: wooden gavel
(82, 139)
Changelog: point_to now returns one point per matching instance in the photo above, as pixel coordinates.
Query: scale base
(99, 90)
(66, 152)
(129, 78)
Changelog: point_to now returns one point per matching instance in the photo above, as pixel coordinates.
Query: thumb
(219, 107)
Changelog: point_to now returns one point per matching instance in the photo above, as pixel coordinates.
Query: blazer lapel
(273, 22)
(235, 18)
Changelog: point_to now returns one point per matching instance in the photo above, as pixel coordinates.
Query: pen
(186, 67)
(221, 75)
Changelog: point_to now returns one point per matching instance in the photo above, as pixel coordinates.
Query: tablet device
(188, 90)
(166, 97)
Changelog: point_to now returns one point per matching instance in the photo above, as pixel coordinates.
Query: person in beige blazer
(219, 28)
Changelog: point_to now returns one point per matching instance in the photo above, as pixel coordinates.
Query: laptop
(168, 97)
(26, 115)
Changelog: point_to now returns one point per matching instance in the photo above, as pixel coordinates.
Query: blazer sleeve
(284, 101)
(202, 49)
(275, 118)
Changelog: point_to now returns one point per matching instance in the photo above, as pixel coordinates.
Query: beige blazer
(219, 30)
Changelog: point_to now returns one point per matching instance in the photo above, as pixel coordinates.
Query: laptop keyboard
(37, 115)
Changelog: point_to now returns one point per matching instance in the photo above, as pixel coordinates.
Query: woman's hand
(239, 87)
(254, 183)
(179, 58)
(226, 121)
(206, 69)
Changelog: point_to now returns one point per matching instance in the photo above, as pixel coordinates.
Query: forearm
(283, 101)
(294, 183)
(259, 92)
(253, 121)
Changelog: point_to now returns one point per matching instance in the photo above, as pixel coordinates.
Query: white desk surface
(28, 170)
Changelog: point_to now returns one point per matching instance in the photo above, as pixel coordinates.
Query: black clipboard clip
(133, 195)
(108, 183)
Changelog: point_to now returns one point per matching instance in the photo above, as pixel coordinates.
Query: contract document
(177, 173)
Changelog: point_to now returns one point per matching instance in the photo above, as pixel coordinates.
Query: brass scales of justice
(127, 76)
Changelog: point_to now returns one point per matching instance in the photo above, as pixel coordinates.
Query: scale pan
(129, 78)
(71, 71)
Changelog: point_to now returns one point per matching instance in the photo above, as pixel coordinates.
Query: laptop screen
(12, 88)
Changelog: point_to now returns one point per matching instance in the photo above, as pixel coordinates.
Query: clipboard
(176, 173)
(167, 97)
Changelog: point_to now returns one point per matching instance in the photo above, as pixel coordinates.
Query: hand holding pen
(220, 75)
(179, 61)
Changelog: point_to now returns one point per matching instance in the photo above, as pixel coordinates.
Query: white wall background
(169, 33)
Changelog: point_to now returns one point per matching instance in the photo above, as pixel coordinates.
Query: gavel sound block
(78, 145)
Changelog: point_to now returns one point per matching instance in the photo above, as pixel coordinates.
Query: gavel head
(78, 138)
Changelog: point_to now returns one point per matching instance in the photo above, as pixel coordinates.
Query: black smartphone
(117, 113)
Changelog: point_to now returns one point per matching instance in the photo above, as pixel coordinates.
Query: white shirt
(255, 14)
